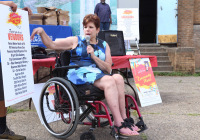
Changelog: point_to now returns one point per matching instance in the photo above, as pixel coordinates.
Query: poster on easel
(16, 59)
(145, 82)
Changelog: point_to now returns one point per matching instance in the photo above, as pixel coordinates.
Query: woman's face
(91, 30)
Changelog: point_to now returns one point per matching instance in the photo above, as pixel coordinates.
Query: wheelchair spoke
(58, 109)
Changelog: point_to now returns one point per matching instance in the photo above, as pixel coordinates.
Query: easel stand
(138, 49)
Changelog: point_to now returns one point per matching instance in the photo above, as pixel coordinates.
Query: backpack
(39, 53)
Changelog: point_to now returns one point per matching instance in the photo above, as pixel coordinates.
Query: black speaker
(115, 40)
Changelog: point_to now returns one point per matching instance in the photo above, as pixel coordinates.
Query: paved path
(177, 118)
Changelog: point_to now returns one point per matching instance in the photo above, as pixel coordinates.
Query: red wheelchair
(64, 105)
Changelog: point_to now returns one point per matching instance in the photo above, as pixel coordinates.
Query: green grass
(154, 113)
(151, 113)
(13, 110)
(143, 136)
(176, 74)
(195, 114)
(134, 113)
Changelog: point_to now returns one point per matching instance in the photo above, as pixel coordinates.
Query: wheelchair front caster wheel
(87, 136)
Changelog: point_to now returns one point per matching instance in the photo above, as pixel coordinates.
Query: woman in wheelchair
(95, 64)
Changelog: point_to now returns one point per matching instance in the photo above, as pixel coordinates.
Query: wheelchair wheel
(103, 121)
(59, 107)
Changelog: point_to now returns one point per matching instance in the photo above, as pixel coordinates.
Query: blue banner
(52, 31)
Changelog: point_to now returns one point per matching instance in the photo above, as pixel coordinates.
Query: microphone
(87, 38)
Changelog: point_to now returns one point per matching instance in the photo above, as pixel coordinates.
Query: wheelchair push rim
(62, 105)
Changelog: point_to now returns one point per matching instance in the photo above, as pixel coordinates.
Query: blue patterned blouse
(88, 71)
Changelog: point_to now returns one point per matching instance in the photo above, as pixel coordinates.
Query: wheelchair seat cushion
(89, 92)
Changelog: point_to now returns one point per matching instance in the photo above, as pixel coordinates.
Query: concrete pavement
(177, 118)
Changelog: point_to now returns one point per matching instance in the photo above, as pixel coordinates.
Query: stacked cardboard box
(36, 19)
(63, 17)
(54, 16)
(50, 16)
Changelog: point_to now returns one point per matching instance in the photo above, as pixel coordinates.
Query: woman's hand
(46, 40)
(105, 66)
(90, 50)
(13, 6)
(37, 31)
(28, 9)
(61, 44)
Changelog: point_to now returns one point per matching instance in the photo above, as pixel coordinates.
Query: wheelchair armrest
(53, 54)
(67, 67)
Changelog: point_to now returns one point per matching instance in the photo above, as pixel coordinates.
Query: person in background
(4, 131)
(102, 10)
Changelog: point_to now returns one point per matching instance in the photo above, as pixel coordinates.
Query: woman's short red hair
(91, 18)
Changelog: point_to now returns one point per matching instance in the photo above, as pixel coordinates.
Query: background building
(160, 21)
(186, 57)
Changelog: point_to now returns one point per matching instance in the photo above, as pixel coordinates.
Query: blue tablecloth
(52, 31)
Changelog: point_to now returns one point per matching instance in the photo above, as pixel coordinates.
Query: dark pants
(1, 85)
(104, 26)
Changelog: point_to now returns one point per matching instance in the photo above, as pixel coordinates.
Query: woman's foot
(128, 132)
(135, 128)
(125, 130)
(131, 122)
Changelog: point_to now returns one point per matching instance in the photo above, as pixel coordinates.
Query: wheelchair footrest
(141, 125)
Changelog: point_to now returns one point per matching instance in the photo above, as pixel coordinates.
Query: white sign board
(128, 22)
(36, 98)
(16, 60)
